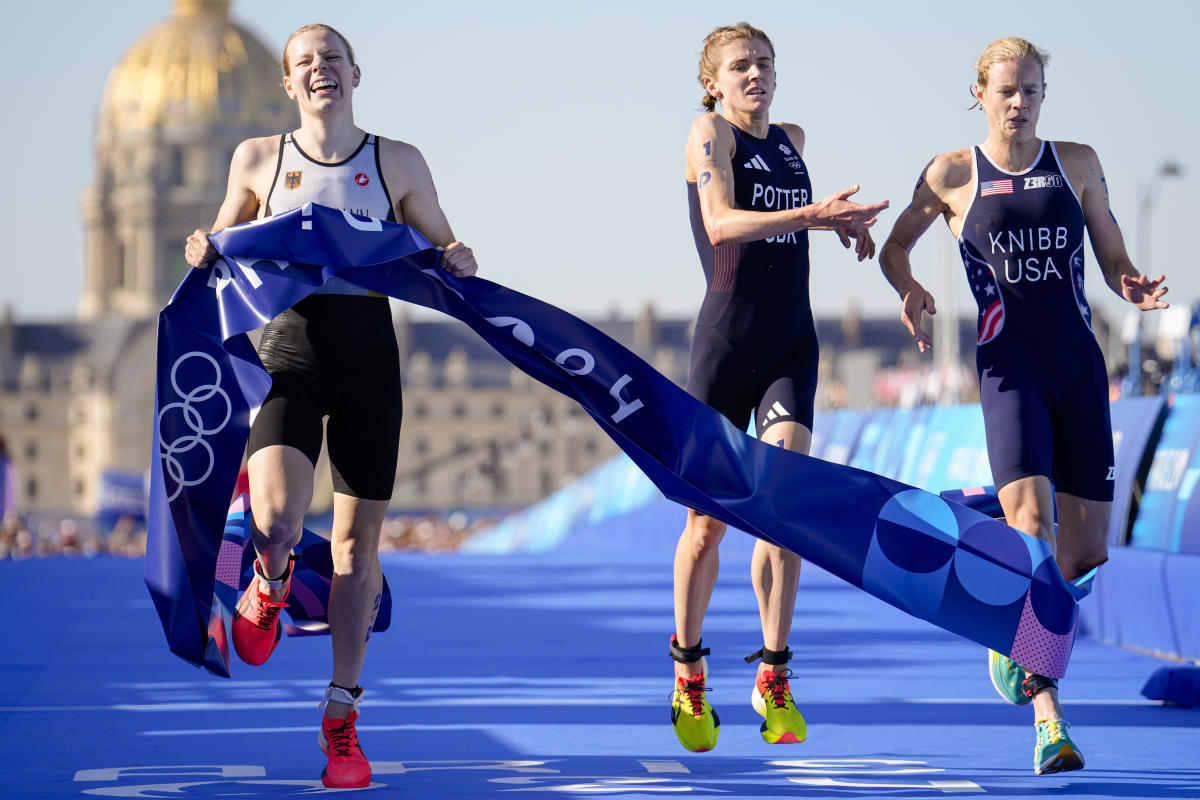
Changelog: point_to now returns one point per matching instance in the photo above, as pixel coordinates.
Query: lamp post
(1167, 169)
(1132, 383)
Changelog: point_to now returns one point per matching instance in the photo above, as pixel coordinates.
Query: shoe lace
(1051, 730)
(694, 689)
(777, 688)
(342, 739)
(268, 612)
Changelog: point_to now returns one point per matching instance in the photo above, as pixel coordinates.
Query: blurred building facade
(77, 398)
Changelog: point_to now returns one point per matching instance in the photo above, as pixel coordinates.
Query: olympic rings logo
(195, 422)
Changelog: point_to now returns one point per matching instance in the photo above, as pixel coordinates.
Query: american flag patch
(995, 187)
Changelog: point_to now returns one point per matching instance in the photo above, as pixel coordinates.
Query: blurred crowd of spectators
(45, 537)
(430, 533)
(909, 387)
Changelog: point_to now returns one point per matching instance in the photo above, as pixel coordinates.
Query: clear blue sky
(555, 131)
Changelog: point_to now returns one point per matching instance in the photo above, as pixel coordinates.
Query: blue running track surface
(518, 676)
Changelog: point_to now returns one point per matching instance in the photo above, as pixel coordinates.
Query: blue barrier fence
(1144, 598)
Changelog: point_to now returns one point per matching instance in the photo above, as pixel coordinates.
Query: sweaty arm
(416, 201)
(1083, 168)
(709, 155)
(242, 198)
(937, 181)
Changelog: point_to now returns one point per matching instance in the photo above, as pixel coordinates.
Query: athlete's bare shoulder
(253, 153)
(710, 137)
(396, 150)
(401, 162)
(795, 135)
(253, 168)
(949, 171)
(1076, 156)
(1082, 167)
(711, 127)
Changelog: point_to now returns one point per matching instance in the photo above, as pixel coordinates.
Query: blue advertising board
(122, 494)
(953, 452)
(1166, 507)
(868, 450)
(839, 433)
(1135, 421)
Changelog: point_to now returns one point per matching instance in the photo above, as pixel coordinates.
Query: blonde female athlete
(1020, 206)
(332, 355)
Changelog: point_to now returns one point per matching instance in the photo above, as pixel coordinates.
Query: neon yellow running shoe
(772, 698)
(1007, 677)
(1054, 750)
(694, 721)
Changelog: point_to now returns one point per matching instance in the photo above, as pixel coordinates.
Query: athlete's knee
(1086, 565)
(1030, 519)
(277, 526)
(783, 557)
(703, 534)
(356, 558)
(1081, 562)
(360, 570)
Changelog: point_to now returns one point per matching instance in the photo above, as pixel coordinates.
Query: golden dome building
(176, 105)
(76, 397)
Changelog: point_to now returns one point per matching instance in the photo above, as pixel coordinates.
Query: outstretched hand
(838, 211)
(864, 245)
(1144, 292)
(917, 301)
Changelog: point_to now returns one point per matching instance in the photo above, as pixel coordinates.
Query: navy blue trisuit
(1043, 386)
(755, 344)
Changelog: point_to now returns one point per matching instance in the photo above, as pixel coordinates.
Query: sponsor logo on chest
(1042, 182)
(792, 159)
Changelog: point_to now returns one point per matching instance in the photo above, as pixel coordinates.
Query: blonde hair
(1010, 48)
(710, 56)
(316, 26)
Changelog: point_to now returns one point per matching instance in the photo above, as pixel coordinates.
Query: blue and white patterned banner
(935, 559)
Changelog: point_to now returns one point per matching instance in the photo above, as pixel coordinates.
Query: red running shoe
(256, 628)
(348, 767)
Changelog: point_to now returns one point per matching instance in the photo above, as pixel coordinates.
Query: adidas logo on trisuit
(757, 163)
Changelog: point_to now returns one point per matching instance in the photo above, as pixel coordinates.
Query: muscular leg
(774, 571)
(1082, 534)
(696, 567)
(357, 586)
(1028, 506)
(281, 481)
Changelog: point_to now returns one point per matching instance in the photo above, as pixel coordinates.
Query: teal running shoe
(1007, 676)
(1054, 751)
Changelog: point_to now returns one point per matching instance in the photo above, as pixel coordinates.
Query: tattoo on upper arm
(708, 148)
(705, 177)
(1111, 215)
(920, 183)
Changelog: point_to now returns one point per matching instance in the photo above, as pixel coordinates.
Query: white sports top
(354, 184)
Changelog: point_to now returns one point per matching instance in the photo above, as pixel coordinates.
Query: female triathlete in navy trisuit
(1019, 206)
(755, 347)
